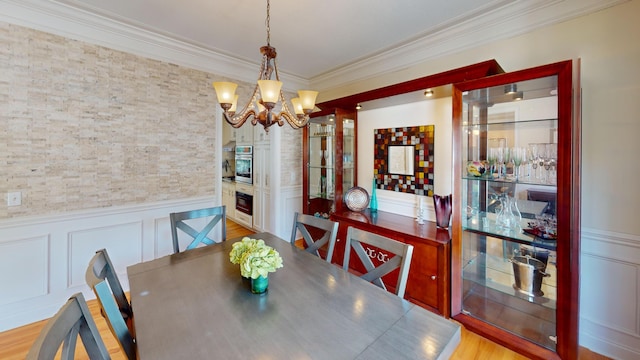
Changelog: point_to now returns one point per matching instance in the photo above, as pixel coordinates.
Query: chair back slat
(218, 216)
(73, 319)
(103, 280)
(308, 225)
(356, 239)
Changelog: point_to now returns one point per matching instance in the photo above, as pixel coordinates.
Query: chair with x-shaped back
(73, 319)
(217, 214)
(316, 233)
(115, 307)
(401, 260)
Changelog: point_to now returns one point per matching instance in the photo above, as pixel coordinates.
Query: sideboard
(429, 275)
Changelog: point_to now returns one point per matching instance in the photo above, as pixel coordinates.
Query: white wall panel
(609, 293)
(163, 241)
(24, 268)
(122, 241)
(606, 277)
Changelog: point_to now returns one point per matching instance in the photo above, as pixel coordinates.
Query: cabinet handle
(433, 277)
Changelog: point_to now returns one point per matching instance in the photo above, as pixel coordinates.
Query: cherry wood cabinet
(428, 284)
(516, 221)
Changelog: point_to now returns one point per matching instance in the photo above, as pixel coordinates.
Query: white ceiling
(312, 37)
(324, 43)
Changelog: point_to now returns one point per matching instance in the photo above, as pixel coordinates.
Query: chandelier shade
(266, 95)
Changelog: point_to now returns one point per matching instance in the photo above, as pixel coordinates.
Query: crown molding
(503, 22)
(76, 24)
(500, 20)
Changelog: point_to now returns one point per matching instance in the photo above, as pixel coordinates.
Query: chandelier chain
(267, 24)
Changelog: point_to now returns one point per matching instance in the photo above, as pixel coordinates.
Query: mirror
(401, 160)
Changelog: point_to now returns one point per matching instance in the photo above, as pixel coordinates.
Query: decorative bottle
(373, 204)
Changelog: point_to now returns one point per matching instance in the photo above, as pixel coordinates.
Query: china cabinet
(329, 158)
(515, 232)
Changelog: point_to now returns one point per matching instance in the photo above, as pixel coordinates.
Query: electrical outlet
(14, 198)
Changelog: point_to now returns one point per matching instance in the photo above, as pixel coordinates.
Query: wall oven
(244, 203)
(244, 164)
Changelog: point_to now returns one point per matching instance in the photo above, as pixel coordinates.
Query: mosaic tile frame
(422, 138)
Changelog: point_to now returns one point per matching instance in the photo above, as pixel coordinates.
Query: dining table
(196, 305)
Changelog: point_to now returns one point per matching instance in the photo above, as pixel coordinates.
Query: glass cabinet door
(514, 234)
(509, 198)
(321, 177)
(329, 159)
(348, 153)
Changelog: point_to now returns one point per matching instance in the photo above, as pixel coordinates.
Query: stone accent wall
(83, 126)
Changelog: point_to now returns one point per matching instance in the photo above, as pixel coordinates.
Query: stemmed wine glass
(550, 163)
(506, 157)
(533, 159)
(500, 161)
(541, 160)
(492, 158)
(517, 155)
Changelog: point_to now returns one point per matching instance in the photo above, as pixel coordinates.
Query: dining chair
(73, 319)
(114, 306)
(178, 221)
(316, 233)
(357, 240)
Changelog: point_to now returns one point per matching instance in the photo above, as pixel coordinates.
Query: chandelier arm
(237, 121)
(295, 121)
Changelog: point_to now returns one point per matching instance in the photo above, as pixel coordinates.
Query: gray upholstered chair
(73, 319)
(316, 233)
(357, 240)
(218, 216)
(115, 307)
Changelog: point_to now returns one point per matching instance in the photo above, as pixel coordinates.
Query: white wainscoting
(291, 202)
(43, 259)
(609, 293)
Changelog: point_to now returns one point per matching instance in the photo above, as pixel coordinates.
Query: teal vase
(259, 285)
(373, 204)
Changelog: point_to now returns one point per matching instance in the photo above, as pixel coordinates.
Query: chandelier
(262, 109)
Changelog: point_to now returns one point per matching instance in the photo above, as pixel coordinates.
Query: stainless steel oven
(244, 203)
(244, 164)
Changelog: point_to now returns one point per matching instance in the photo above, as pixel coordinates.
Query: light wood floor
(15, 343)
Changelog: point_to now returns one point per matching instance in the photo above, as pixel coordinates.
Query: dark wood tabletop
(195, 305)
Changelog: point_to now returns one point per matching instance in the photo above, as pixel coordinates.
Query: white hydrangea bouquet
(255, 258)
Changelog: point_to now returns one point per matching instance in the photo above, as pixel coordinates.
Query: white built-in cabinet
(229, 198)
(261, 184)
(244, 134)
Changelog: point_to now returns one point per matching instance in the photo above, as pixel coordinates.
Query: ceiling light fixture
(518, 95)
(428, 93)
(358, 106)
(262, 109)
(511, 89)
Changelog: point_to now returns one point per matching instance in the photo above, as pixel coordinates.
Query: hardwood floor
(15, 343)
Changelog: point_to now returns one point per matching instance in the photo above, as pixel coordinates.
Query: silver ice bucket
(528, 273)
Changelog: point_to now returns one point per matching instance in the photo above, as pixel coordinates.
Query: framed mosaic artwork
(403, 159)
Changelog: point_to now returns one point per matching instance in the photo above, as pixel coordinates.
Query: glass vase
(259, 285)
(373, 204)
(442, 206)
